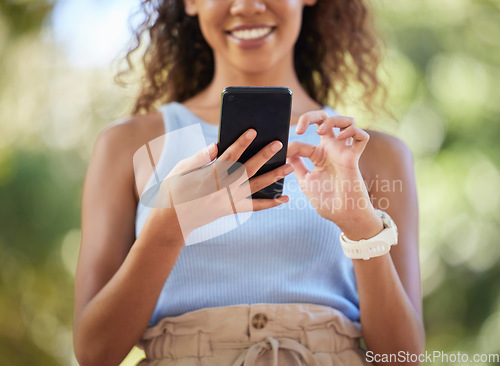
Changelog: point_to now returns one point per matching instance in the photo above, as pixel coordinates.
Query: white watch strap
(376, 246)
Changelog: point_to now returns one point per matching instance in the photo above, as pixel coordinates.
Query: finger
(204, 156)
(264, 180)
(298, 165)
(355, 132)
(201, 158)
(308, 119)
(234, 151)
(355, 137)
(341, 122)
(258, 160)
(262, 203)
(300, 149)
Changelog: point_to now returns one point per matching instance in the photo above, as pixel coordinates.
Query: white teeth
(252, 33)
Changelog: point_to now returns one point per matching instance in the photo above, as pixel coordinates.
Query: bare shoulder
(387, 145)
(129, 133)
(384, 156)
(114, 150)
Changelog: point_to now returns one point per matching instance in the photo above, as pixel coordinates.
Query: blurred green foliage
(443, 71)
(24, 16)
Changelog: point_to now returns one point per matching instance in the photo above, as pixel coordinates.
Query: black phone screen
(265, 109)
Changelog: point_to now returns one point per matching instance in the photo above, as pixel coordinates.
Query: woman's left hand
(335, 186)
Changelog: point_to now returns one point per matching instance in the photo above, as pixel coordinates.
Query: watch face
(386, 219)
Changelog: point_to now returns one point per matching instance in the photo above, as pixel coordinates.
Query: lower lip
(249, 44)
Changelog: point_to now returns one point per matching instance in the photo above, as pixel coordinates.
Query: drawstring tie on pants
(252, 354)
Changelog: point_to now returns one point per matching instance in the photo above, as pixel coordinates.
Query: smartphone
(268, 111)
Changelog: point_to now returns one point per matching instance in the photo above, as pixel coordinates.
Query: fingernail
(276, 146)
(251, 134)
(211, 148)
(284, 199)
(288, 169)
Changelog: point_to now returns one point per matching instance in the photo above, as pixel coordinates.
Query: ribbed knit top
(286, 254)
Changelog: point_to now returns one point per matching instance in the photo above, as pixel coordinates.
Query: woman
(278, 288)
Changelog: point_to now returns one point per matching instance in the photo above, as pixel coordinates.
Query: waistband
(255, 328)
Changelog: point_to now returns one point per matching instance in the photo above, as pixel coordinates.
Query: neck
(283, 75)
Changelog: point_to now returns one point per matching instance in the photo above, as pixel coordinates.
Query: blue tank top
(286, 254)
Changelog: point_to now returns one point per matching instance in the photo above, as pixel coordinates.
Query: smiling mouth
(254, 33)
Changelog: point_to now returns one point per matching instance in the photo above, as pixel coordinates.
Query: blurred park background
(57, 92)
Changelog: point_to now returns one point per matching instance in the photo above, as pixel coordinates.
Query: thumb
(202, 157)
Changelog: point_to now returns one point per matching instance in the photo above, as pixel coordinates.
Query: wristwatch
(376, 246)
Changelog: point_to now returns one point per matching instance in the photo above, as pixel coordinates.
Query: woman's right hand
(201, 190)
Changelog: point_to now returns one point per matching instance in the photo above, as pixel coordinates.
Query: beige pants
(255, 335)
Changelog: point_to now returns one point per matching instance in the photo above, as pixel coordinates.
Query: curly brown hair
(337, 45)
